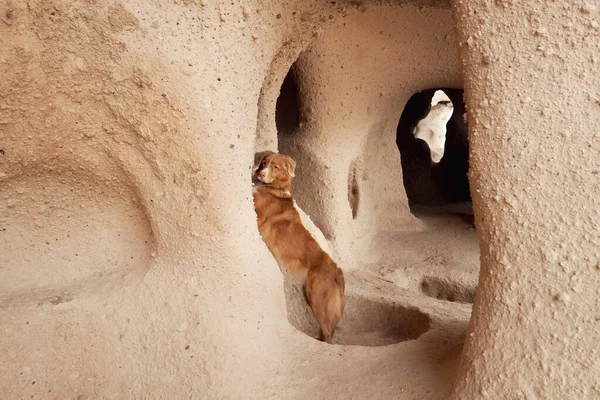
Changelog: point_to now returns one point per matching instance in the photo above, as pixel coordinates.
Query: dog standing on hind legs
(293, 247)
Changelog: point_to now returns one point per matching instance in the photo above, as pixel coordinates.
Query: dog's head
(273, 169)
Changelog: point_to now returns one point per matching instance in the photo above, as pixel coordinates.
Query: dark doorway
(435, 187)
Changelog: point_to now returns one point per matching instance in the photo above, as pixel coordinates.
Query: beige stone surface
(130, 261)
(532, 86)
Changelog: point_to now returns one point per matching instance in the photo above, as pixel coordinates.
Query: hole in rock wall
(353, 190)
(368, 320)
(434, 149)
(432, 138)
(447, 289)
(337, 119)
(287, 110)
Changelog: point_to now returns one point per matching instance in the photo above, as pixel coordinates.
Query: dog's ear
(289, 165)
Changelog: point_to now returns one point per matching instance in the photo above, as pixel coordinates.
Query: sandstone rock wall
(130, 262)
(531, 85)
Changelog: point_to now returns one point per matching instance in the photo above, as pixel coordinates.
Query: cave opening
(287, 109)
(349, 183)
(435, 153)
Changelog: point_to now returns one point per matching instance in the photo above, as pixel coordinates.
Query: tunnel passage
(326, 108)
(440, 186)
(287, 109)
(290, 124)
(372, 321)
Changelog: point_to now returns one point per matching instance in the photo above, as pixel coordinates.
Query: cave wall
(123, 147)
(131, 262)
(531, 86)
(139, 120)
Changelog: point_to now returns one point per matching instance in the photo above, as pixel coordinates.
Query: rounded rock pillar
(532, 93)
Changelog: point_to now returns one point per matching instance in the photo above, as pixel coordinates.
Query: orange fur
(292, 245)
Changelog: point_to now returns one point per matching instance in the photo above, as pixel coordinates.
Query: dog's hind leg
(326, 336)
(326, 299)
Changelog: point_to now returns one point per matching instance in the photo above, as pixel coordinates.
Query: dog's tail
(325, 291)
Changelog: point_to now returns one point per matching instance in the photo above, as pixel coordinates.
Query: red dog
(292, 245)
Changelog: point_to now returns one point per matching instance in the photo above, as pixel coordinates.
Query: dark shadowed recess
(287, 109)
(435, 188)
